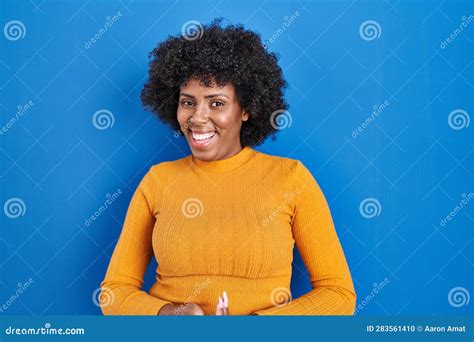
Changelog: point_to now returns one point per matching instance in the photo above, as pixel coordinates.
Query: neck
(232, 161)
(232, 152)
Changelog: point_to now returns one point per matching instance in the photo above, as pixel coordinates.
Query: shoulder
(165, 170)
(286, 165)
(289, 170)
(170, 166)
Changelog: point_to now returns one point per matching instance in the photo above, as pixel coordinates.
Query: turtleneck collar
(228, 164)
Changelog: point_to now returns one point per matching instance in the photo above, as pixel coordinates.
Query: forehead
(194, 87)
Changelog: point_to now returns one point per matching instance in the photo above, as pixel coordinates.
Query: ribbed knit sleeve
(122, 292)
(316, 239)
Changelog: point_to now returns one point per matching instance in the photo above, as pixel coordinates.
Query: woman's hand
(193, 309)
(189, 309)
(222, 308)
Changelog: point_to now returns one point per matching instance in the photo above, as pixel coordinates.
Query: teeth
(203, 136)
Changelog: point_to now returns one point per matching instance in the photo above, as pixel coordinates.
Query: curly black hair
(214, 54)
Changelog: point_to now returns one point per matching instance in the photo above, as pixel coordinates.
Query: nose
(199, 116)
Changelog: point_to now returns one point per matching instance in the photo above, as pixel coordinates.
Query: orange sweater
(228, 225)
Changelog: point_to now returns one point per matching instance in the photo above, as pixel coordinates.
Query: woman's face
(210, 118)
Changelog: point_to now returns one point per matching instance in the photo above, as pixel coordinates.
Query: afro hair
(214, 54)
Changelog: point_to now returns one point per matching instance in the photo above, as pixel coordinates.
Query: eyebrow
(207, 96)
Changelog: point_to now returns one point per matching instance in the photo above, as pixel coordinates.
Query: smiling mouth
(202, 137)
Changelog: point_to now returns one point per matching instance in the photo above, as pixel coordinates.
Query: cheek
(227, 121)
(182, 116)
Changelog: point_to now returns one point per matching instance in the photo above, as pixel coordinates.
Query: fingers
(222, 308)
(226, 303)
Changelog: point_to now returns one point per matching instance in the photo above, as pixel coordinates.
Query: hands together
(193, 309)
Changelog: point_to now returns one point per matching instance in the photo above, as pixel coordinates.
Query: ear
(245, 116)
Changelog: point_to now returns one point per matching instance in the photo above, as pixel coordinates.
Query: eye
(217, 103)
(187, 103)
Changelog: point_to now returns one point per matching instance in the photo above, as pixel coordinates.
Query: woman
(223, 221)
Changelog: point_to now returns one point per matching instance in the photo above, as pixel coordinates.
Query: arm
(316, 239)
(121, 289)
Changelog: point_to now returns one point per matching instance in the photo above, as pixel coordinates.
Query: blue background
(408, 158)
